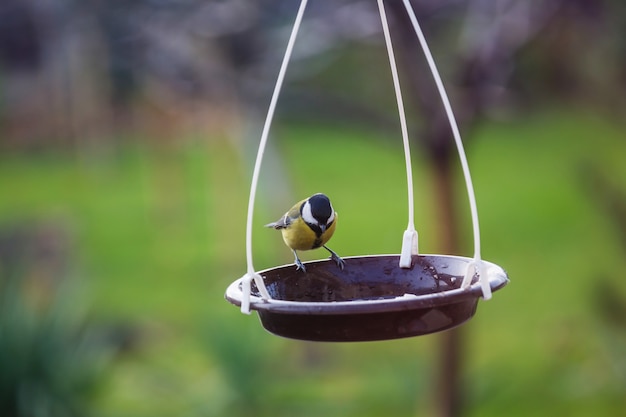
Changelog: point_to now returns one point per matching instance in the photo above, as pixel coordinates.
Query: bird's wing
(281, 223)
(287, 218)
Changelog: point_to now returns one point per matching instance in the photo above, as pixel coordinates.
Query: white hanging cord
(409, 239)
(475, 266)
(251, 274)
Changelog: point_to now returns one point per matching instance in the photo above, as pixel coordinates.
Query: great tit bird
(309, 224)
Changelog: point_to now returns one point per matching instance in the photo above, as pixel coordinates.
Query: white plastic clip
(246, 290)
(477, 267)
(409, 248)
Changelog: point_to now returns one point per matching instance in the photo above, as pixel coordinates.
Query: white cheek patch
(307, 216)
(332, 216)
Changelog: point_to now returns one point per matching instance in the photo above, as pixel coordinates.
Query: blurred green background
(128, 132)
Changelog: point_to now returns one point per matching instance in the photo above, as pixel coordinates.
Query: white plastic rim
(495, 275)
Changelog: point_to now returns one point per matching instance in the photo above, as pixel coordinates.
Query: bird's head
(318, 212)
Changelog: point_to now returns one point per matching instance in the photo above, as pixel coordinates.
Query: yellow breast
(299, 236)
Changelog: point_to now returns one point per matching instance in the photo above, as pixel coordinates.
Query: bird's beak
(323, 227)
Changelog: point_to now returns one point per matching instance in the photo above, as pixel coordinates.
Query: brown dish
(371, 299)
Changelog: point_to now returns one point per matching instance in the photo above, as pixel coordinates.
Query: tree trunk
(449, 395)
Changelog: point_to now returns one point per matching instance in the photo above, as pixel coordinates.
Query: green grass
(159, 234)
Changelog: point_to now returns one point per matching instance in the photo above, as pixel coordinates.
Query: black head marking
(321, 209)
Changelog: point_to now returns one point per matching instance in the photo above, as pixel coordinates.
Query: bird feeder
(375, 297)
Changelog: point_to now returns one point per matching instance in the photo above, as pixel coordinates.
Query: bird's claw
(340, 262)
(300, 265)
